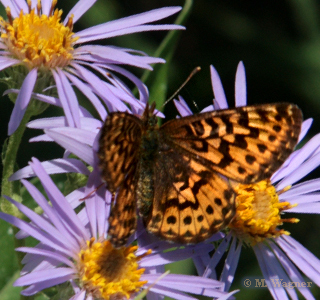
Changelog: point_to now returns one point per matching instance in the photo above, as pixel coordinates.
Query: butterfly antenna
(91, 193)
(195, 71)
(196, 105)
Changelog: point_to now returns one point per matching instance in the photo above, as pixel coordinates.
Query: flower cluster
(47, 63)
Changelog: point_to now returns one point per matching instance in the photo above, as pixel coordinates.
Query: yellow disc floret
(39, 40)
(258, 212)
(106, 272)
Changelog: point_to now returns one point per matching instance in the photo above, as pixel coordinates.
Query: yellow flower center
(39, 40)
(258, 212)
(106, 272)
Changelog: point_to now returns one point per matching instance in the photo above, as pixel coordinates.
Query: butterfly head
(149, 118)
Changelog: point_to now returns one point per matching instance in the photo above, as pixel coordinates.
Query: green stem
(10, 150)
(157, 80)
(166, 49)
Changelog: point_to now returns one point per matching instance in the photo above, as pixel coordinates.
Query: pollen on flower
(258, 212)
(109, 273)
(39, 40)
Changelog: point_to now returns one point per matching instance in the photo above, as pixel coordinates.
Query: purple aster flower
(260, 211)
(73, 248)
(50, 53)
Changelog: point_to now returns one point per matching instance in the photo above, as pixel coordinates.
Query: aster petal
(44, 98)
(266, 260)
(81, 7)
(100, 88)
(308, 204)
(115, 55)
(301, 171)
(45, 6)
(68, 98)
(15, 6)
(306, 124)
(15, 118)
(231, 264)
(54, 166)
(283, 170)
(201, 263)
(296, 160)
(219, 95)
(171, 293)
(291, 270)
(45, 277)
(38, 263)
(97, 211)
(74, 200)
(208, 108)
(81, 150)
(82, 136)
(188, 284)
(81, 296)
(308, 263)
(217, 255)
(171, 256)
(89, 124)
(135, 29)
(109, 93)
(143, 90)
(128, 25)
(41, 138)
(228, 296)
(27, 88)
(7, 62)
(22, 101)
(119, 89)
(58, 232)
(301, 189)
(88, 93)
(32, 231)
(182, 107)
(51, 254)
(240, 86)
(282, 277)
(58, 201)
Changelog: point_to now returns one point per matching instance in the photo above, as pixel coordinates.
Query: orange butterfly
(176, 174)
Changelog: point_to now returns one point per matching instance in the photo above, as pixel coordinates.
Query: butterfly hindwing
(123, 216)
(246, 144)
(192, 202)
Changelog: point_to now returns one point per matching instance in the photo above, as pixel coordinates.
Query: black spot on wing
(262, 148)
(187, 220)
(240, 141)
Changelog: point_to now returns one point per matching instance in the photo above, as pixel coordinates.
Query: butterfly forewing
(177, 175)
(246, 144)
(119, 148)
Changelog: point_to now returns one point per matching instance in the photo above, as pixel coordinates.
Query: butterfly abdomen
(145, 187)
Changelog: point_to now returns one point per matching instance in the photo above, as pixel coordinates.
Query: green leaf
(9, 292)
(157, 80)
(9, 269)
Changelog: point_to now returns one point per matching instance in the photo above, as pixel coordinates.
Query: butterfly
(177, 174)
